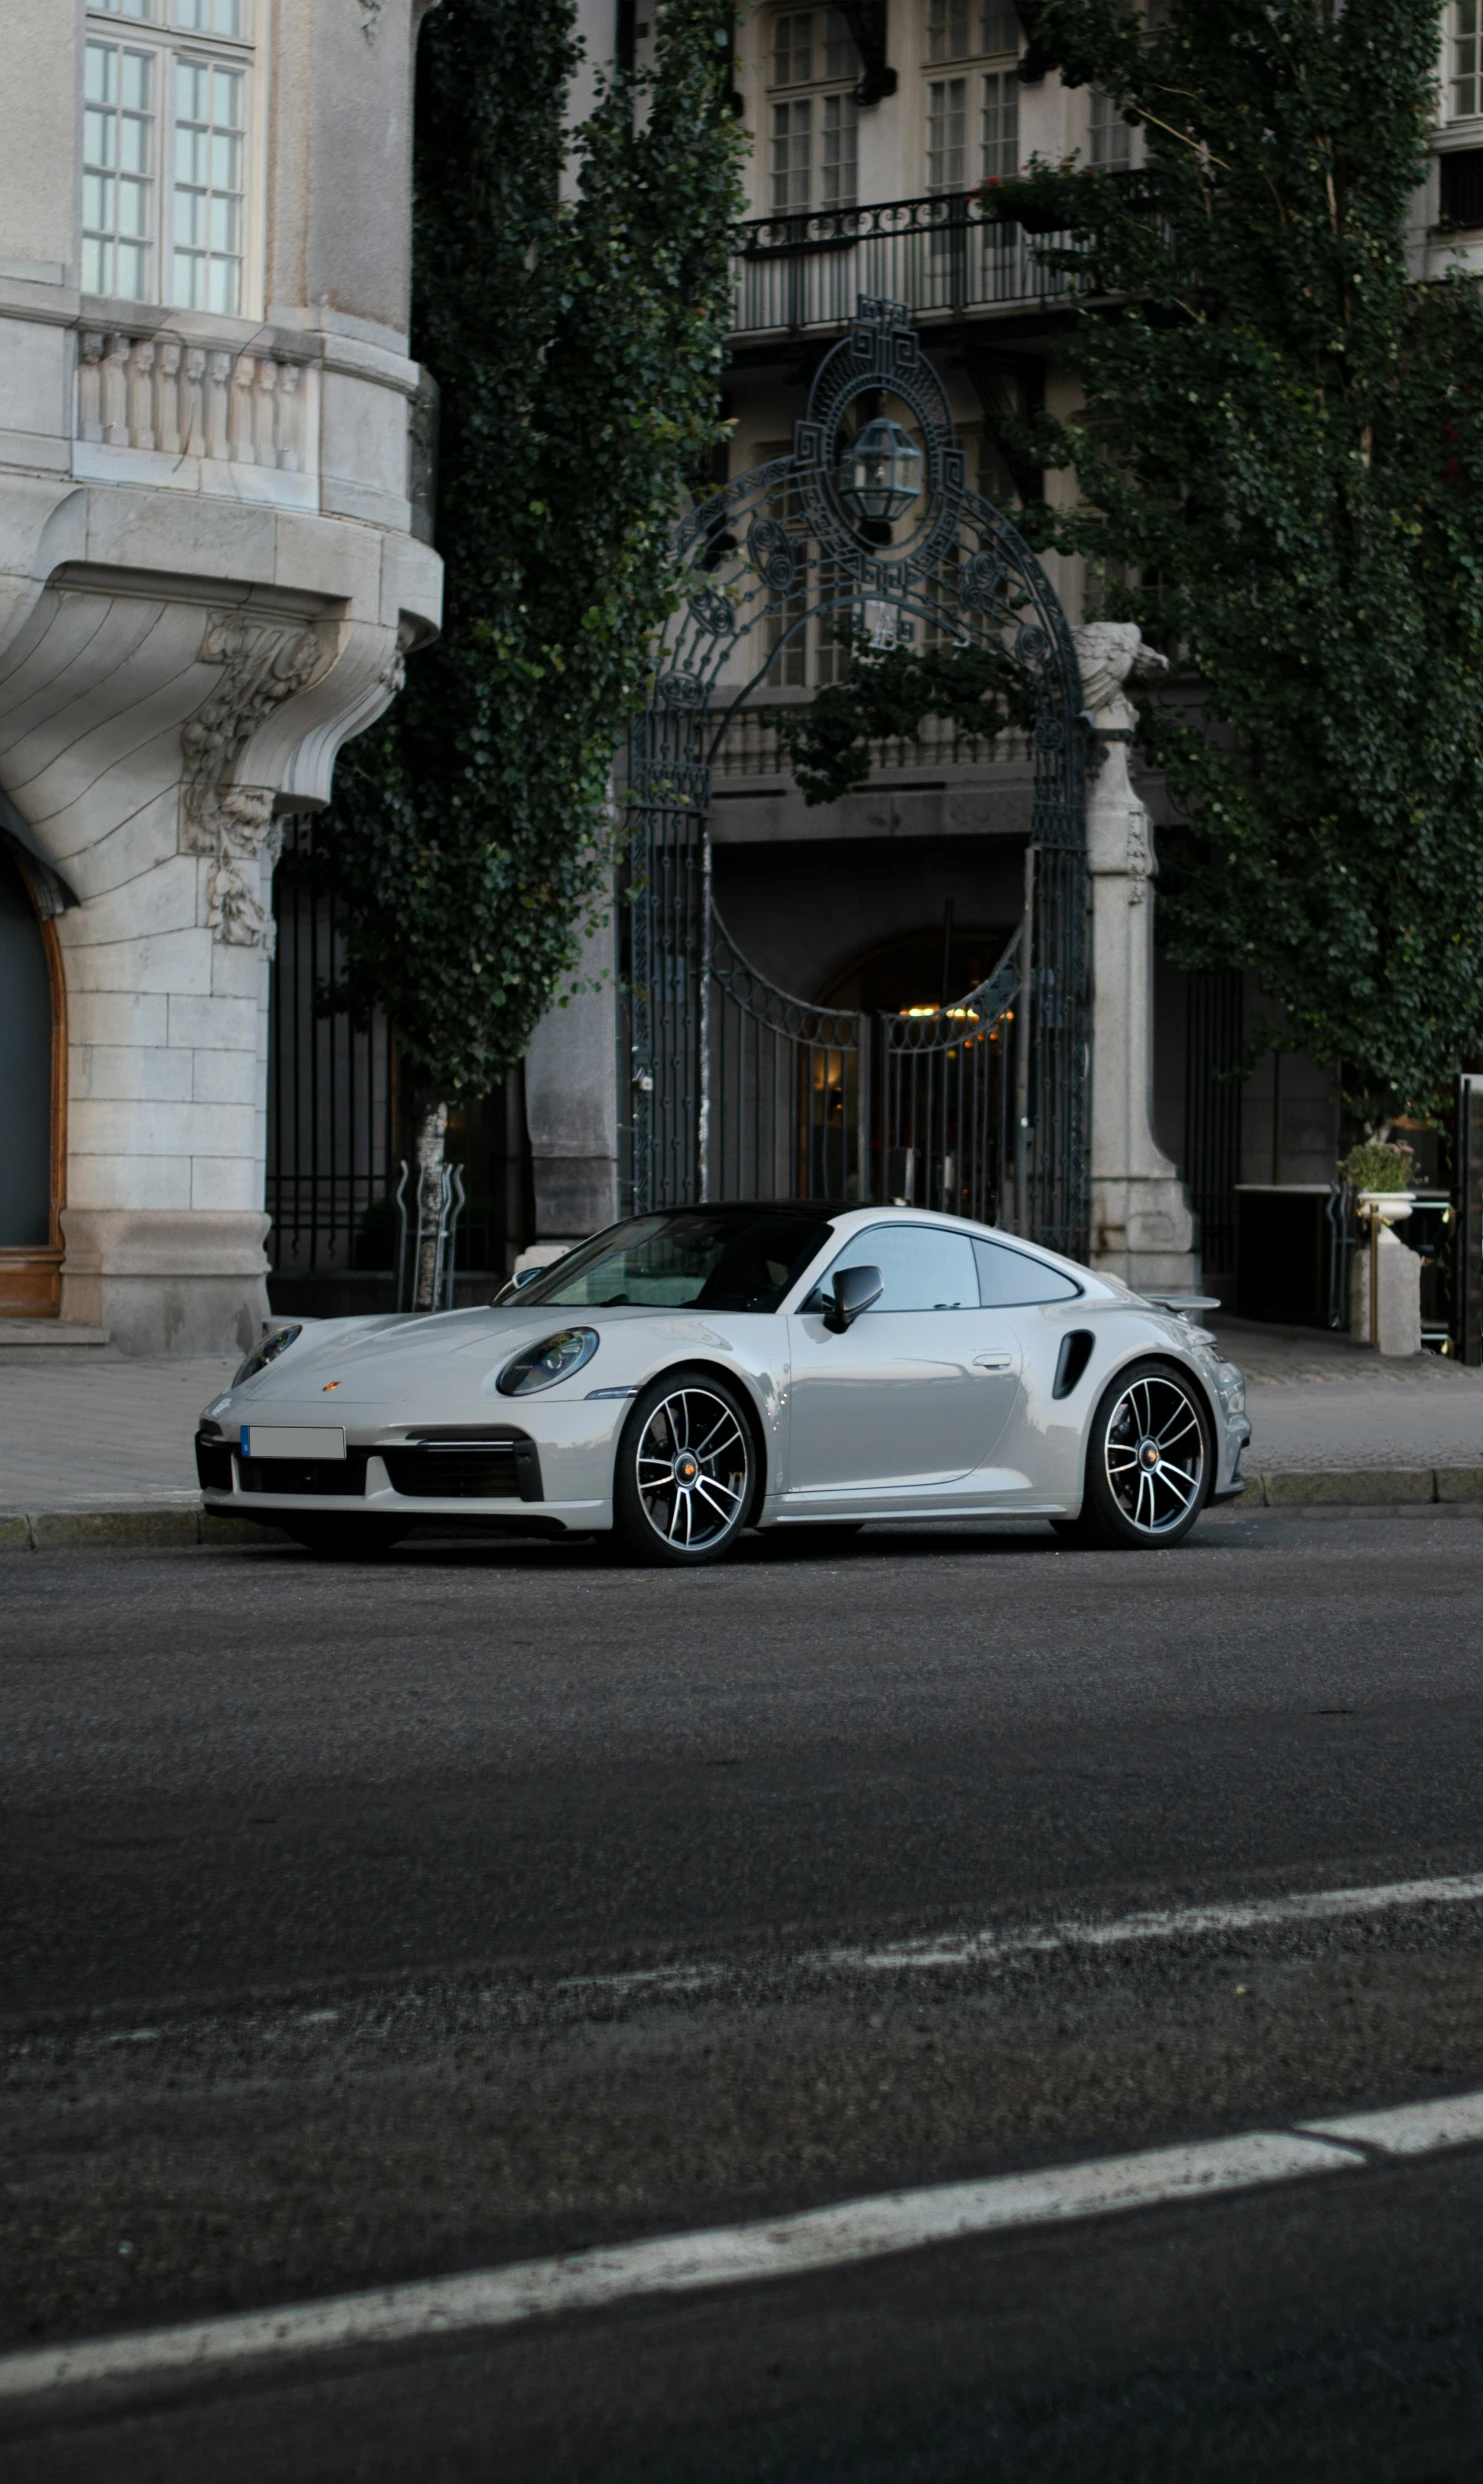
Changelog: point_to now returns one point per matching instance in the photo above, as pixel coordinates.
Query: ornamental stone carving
(393, 676)
(1119, 831)
(1112, 653)
(248, 838)
(1141, 1225)
(264, 664)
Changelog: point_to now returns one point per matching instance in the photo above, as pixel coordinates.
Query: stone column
(1142, 1230)
(571, 1103)
(1398, 1327)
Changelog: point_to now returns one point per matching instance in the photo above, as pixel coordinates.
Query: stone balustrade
(199, 406)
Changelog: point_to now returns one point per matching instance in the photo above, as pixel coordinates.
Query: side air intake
(1076, 1353)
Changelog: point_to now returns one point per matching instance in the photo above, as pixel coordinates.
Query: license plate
(262, 1440)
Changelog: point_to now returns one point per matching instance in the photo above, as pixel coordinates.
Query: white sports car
(700, 1370)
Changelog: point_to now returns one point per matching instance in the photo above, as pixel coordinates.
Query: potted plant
(1041, 199)
(1380, 1170)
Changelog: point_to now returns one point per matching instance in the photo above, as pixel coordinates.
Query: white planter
(1391, 1206)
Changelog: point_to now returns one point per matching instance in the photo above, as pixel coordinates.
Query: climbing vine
(1281, 445)
(570, 297)
(1277, 470)
(978, 688)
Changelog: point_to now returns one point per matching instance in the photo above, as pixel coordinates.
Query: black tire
(344, 1539)
(1150, 1462)
(686, 1471)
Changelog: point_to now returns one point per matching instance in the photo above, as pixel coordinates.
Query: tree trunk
(432, 1130)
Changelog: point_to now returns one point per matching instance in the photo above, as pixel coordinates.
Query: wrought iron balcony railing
(749, 747)
(940, 255)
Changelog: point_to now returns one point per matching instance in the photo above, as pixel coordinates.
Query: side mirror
(855, 1289)
(513, 1286)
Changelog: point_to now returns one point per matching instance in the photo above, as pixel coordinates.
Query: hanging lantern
(880, 473)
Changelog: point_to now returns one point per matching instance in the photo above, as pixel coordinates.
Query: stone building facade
(871, 128)
(210, 577)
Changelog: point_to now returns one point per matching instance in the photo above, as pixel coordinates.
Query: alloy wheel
(693, 1469)
(1155, 1454)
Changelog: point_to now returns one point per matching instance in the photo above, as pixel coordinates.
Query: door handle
(993, 1362)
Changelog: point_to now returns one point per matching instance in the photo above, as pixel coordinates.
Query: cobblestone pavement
(1320, 1400)
(88, 1428)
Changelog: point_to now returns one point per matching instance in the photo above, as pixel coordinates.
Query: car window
(704, 1259)
(923, 1268)
(1006, 1276)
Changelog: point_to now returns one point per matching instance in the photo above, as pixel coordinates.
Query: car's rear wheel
(344, 1539)
(1149, 1462)
(685, 1473)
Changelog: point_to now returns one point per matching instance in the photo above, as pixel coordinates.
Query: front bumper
(495, 1472)
(1229, 1481)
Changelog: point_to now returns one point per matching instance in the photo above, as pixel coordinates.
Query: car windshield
(701, 1259)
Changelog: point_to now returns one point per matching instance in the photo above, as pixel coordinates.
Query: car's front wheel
(685, 1472)
(1149, 1462)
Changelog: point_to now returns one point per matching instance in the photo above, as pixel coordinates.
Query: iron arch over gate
(739, 1089)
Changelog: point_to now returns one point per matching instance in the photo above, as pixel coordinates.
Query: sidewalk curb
(59, 1530)
(1395, 1490)
(1388, 1487)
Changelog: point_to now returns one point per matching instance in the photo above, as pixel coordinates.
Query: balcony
(749, 747)
(192, 406)
(944, 257)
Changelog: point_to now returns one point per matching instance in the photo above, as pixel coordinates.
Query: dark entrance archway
(739, 1088)
(32, 1059)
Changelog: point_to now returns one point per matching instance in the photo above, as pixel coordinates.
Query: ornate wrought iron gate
(739, 1089)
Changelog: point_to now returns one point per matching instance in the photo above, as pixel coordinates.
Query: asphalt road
(367, 1922)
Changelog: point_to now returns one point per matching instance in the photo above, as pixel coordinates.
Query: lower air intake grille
(450, 1469)
(213, 1463)
(340, 1479)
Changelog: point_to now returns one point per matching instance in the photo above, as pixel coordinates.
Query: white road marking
(822, 2238)
(970, 1949)
(1410, 2130)
(830, 2237)
(1160, 1924)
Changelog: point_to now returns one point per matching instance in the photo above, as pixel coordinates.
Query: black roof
(754, 1207)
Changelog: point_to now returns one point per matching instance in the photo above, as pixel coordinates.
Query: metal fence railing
(339, 1134)
(938, 255)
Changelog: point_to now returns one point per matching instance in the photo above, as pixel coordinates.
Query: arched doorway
(32, 1057)
(925, 966)
(738, 1087)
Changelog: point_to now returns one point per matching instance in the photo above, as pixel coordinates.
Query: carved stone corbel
(247, 836)
(263, 663)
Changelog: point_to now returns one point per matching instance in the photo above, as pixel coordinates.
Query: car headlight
(266, 1353)
(541, 1366)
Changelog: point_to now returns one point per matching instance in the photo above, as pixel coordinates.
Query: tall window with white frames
(1111, 137)
(1467, 60)
(813, 70)
(167, 90)
(966, 31)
